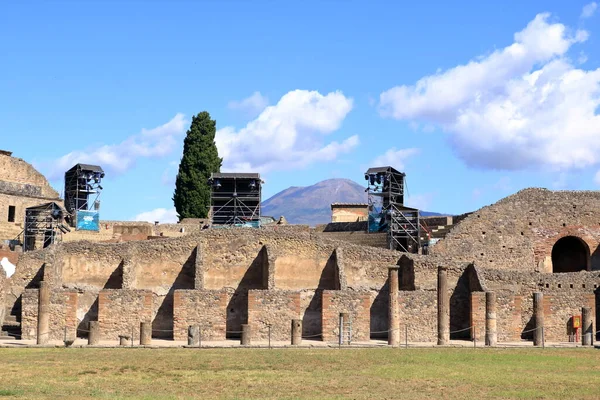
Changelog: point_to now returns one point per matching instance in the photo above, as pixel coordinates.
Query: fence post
(199, 335)
(132, 330)
(269, 336)
(406, 336)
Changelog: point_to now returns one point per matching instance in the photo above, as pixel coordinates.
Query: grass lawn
(299, 373)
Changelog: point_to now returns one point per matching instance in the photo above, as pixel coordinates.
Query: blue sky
(473, 101)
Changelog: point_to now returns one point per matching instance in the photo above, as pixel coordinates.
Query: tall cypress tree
(200, 159)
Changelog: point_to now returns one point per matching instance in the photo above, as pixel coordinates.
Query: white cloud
(582, 59)
(597, 178)
(589, 10)
(118, 158)
(170, 174)
(521, 106)
(163, 215)
(420, 201)
(251, 105)
(288, 135)
(395, 158)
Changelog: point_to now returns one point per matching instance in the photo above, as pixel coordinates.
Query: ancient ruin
(520, 269)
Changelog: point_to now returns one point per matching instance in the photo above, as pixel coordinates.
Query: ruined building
(535, 241)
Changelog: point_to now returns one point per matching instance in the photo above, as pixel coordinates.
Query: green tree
(200, 159)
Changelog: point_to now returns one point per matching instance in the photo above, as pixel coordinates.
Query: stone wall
(207, 308)
(62, 309)
(276, 308)
(356, 303)
(418, 311)
(21, 186)
(518, 232)
(120, 312)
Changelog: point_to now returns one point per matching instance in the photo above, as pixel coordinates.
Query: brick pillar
(145, 333)
(491, 332)
(43, 323)
(394, 307)
(443, 307)
(296, 331)
(94, 333)
(538, 317)
(587, 330)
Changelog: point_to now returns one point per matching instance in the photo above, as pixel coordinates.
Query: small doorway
(11, 213)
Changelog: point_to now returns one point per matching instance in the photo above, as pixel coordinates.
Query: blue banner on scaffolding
(88, 220)
(377, 221)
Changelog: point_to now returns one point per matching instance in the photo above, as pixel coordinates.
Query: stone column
(296, 331)
(43, 323)
(491, 333)
(193, 335)
(443, 307)
(94, 333)
(538, 317)
(394, 307)
(245, 335)
(145, 333)
(587, 331)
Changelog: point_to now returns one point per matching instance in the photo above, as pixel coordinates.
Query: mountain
(311, 205)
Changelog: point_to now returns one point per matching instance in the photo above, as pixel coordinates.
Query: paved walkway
(160, 343)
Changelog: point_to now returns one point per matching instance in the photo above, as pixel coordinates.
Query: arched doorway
(570, 254)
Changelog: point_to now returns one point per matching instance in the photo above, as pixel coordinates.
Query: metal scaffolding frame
(387, 213)
(82, 190)
(44, 225)
(235, 199)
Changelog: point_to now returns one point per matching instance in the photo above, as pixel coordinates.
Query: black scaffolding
(387, 212)
(235, 199)
(44, 225)
(82, 190)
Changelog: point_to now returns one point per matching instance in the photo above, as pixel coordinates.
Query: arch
(570, 254)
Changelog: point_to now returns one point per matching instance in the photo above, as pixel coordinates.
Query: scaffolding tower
(44, 225)
(387, 212)
(82, 196)
(235, 199)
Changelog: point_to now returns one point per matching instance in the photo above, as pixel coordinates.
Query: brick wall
(207, 308)
(121, 310)
(478, 305)
(357, 304)
(275, 307)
